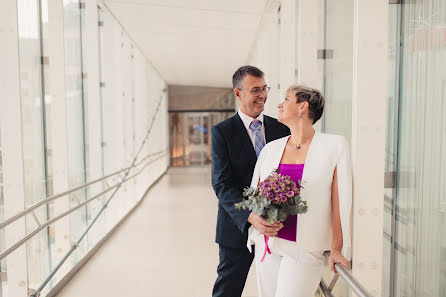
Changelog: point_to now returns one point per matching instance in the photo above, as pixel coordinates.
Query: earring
(300, 115)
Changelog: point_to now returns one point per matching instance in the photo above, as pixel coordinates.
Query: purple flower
(278, 188)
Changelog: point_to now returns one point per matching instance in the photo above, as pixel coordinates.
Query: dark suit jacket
(233, 161)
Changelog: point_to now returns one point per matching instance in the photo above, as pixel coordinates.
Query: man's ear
(237, 93)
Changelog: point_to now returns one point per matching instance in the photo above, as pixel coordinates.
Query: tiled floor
(165, 249)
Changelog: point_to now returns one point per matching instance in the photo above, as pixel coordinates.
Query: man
(236, 144)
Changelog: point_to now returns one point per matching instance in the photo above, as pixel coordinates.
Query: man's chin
(260, 109)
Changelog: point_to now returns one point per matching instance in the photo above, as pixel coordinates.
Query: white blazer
(314, 228)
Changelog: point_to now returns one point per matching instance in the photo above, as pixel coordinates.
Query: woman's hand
(263, 226)
(337, 257)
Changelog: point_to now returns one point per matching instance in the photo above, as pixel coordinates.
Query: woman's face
(288, 109)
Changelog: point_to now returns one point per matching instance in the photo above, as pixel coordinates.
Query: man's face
(252, 101)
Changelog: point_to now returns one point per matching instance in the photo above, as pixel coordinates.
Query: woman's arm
(336, 240)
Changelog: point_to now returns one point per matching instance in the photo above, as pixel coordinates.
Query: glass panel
(421, 195)
(111, 94)
(84, 84)
(33, 123)
(337, 65)
(3, 285)
(102, 70)
(115, 59)
(97, 231)
(390, 161)
(75, 120)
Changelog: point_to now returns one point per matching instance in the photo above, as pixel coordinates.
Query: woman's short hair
(314, 98)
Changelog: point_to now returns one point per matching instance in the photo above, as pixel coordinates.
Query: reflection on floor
(165, 249)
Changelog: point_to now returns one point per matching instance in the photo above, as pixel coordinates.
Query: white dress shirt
(246, 119)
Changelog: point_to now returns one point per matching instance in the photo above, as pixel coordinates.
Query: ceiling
(192, 42)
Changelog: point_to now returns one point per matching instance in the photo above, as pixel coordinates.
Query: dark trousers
(232, 271)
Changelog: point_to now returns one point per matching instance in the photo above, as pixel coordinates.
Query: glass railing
(119, 178)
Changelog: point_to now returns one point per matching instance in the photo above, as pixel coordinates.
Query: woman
(322, 162)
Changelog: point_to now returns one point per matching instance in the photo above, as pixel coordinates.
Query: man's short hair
(242, 72)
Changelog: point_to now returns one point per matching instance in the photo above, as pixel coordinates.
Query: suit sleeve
(222, 180)
(345, 189)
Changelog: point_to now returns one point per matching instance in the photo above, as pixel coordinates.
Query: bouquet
(276, 198)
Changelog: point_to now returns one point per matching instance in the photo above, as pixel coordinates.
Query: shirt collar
(246, 119)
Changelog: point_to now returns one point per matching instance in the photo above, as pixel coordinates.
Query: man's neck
(254, 116)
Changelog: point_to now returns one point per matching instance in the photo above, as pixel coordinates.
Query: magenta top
(289, 229)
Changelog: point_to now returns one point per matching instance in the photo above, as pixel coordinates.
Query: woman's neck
(300, 133)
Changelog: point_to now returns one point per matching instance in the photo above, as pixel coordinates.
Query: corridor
(101, 98)
(165, 248)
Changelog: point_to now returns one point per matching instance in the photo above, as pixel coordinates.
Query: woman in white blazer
(294, 268)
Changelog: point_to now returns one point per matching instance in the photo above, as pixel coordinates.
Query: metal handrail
(346, 274)
(56, 196)
(62, 215)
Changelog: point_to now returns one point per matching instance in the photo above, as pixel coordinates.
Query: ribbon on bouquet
(266, 248)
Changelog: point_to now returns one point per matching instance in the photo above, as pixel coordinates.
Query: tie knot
(255, 125)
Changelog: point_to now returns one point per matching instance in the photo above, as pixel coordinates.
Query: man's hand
(263, 226)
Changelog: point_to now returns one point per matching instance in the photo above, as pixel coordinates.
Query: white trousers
(286, 272)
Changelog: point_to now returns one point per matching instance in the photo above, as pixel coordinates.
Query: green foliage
(253, 202)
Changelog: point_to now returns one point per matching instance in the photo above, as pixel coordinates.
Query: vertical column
(307, 45)
(265, 54)
(287, 45)
(59, 124)
(368, 139)
(94, 115)
(11, 129)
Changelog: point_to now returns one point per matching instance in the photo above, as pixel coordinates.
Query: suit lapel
(242, 135)
(269, 128)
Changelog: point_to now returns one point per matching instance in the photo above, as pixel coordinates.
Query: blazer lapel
(243, 137)
(312, 156)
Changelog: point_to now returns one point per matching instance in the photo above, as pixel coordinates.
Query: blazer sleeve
(222, 180)
(345, 189)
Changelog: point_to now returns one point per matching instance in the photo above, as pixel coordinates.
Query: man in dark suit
(236, 144)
